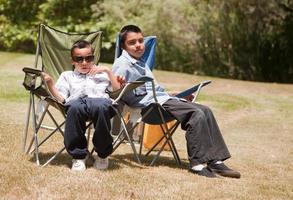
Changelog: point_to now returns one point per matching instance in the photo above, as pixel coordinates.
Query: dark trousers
(97, 110)
(204, 139)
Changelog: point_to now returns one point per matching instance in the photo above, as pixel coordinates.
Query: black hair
(80, 44)
(125, 30)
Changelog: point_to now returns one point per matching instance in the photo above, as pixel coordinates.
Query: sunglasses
(80, 59)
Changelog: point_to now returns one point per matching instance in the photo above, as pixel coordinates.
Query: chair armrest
(32, 71)
(53, 102)
(34, 82)
(193, 89)
(118, 94)
(30, 81)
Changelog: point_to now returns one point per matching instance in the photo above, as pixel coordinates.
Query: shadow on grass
(65, 160)
(61, 160)
(129, 160)
(116, 161)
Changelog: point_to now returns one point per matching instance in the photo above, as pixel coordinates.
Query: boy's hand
(47, 78)
(98, 69)
(121, 80)
(189, 97)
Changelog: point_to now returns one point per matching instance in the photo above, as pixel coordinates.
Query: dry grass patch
(255, 118)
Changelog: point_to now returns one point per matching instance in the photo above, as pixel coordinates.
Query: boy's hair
(125, 30)
(80, 44)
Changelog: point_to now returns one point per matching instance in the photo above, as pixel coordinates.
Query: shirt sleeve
(62, 85)
(107, 79)
(121, 69)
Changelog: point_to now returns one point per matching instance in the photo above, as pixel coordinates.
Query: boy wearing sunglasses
(83, 93)
(205, 145)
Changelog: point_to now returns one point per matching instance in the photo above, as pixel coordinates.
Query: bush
(245, 39)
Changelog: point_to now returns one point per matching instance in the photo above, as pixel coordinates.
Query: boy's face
(82, 59)
(134, 44)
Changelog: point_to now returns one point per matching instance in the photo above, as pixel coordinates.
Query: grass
(227, 102)
(255, 119)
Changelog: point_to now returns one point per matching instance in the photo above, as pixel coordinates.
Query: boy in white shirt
(83, 93)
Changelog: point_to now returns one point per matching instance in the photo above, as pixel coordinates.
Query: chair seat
(152, 115)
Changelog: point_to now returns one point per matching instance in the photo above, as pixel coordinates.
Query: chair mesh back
(55, 48)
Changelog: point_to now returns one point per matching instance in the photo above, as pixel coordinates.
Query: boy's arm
(115, 81)
(51, 86)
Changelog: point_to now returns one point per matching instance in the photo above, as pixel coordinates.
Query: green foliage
(242, 39)
(252, 41)
(18, 24)
(20, 11)
(67, 15)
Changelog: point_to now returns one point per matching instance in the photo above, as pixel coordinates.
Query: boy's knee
(74, 108)
(197, 117)
(102, 104)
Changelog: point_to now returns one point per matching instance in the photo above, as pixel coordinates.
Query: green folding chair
(53, 49)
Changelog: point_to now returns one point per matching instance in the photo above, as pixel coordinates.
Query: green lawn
(255, 119)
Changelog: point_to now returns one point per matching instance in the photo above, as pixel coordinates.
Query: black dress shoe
(223, 170)
(204, 172)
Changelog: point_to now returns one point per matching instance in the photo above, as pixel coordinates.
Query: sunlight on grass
(226, 101)
(8, 56)
(11, 88)
(284, 106)
(256, 126)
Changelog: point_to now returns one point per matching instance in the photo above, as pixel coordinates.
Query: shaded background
(239, 39)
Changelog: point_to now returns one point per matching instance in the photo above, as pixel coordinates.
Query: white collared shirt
(72, 85)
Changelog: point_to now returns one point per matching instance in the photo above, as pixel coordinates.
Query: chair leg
(24, 139)
(53, 131)
(35, 132)
(141, 139)
(173, 149)
(131, 143)
(167, 134)
(39, 125)
(118, 138)
(53, 157)
(48, 136)
(128, 137)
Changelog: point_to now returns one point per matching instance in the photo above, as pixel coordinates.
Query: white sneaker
(78, 165)
(101, 163)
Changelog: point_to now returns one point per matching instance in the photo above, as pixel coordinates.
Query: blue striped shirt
(133, 69)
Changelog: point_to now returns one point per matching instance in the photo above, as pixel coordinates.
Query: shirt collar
(78, 73)
(131, 59)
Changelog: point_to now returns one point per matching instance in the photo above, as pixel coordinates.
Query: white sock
(198, 167)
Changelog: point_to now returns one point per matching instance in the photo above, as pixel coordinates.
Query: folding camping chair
(54, 48)
(155, 114)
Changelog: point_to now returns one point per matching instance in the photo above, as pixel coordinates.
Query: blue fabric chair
(155, 114)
